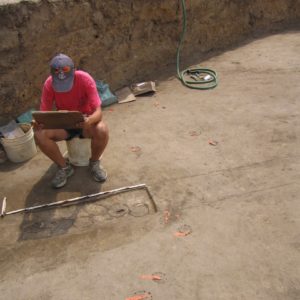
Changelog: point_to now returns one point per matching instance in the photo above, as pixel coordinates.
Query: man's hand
(37, 126)
(91, 120)
(86, 124)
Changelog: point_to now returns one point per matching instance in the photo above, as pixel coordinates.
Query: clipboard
(62, 119)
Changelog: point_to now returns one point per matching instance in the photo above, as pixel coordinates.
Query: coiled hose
(203, 79)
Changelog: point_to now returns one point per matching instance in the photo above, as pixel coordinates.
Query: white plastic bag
(11, 130)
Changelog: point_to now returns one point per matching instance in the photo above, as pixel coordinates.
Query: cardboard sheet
(125, 95)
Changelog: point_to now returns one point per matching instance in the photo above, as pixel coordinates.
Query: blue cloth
(25, 117)
(105, 94)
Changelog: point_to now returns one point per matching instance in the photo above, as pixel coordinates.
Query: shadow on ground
(46, 222)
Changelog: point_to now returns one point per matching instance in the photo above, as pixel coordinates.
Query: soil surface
(227, 219)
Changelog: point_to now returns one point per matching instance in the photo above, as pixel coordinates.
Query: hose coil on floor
(203, 79)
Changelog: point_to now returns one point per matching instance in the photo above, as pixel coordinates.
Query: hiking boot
(98, 173)
(62, 175)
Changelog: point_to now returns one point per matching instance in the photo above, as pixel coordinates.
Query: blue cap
(62, 81)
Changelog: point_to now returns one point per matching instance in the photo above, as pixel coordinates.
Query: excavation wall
(121, 41)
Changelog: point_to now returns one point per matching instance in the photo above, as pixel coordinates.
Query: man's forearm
(95, 117)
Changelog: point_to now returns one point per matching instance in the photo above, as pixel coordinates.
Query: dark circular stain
(139, 210)
(118, 210)
(144, 294)
(185, 229)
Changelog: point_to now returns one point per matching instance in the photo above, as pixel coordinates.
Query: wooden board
(58, 119)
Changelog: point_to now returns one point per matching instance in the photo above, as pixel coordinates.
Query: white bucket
(79, 151)
(21, 148)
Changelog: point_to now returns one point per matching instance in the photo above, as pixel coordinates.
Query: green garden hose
(203, 79)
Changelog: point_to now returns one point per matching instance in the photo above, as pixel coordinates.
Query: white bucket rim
(26, 134)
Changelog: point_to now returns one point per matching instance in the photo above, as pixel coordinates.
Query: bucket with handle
(21, 148)
(79, 151)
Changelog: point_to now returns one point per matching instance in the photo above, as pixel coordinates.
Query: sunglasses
(65, 69)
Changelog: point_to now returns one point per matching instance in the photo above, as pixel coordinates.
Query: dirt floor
(239, 198)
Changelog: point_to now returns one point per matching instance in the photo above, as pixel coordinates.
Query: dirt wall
(121, 41)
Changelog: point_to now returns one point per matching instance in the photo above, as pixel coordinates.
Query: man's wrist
(88, 120)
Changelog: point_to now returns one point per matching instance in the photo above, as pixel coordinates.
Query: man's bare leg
(46, 140)
(99, 138)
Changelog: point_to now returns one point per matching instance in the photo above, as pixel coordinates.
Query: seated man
(74, 90)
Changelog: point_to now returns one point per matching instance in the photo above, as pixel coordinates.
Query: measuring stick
(80, 199)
